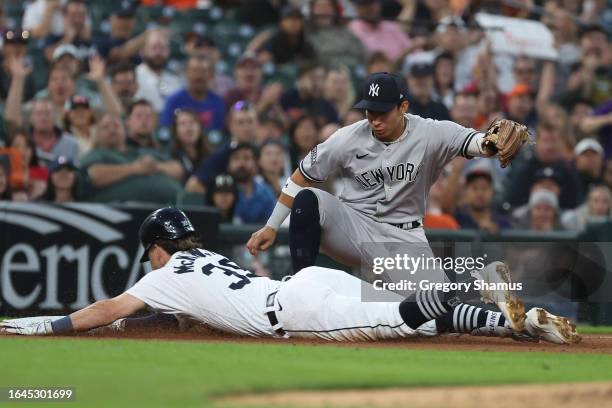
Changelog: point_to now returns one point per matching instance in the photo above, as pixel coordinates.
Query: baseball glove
(505, 138)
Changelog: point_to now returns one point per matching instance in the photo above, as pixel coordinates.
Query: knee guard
(305, 210)
(304, 230)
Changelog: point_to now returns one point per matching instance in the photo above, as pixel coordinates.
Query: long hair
(7, 193)
(50, 194)
(210, 192)
(274, 184)
(203, 148)
(68, 124)
(294, 150)
(29, 141)
(439, 58)
(349, 99)
(190, 241)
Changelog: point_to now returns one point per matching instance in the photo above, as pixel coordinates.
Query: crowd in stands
(217, 102)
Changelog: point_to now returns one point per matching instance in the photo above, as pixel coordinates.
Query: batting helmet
(165, 223)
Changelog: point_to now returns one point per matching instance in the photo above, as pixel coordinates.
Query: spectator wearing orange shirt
(437, 215)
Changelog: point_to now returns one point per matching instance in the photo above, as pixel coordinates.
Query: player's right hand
(29, 326)
(261, 240)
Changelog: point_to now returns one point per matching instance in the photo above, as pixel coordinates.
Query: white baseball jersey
(388, 182)
(210, 288)
(316, 302)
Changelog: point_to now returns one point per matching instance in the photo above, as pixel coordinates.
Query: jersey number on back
(229, 268)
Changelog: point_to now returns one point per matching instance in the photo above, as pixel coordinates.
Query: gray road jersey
(389, 183)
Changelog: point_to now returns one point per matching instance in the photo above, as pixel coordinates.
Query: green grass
(594, 329)
(164, 373)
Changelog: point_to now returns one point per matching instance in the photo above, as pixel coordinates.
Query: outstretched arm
(129, 48)
(97, 74)
(105, 312)
(503, 139)
(98, 314)
(155, 321)
(14, 101)
(475, 147)
(43, 26)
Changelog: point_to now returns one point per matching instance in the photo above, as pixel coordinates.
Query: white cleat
(497, 274)
(547, 326)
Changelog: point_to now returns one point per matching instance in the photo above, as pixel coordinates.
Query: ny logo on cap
(373, 90)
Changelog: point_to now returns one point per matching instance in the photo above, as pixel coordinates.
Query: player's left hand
(505, 138)
(261, 240)
(29, 326)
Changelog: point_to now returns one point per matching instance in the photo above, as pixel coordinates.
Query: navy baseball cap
(548, 173)
(126, 9)
(291, 12)
(382, 92)
(78, 101)
(223, 182)
(16, 36)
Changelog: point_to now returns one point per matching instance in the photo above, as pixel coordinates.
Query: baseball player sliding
(188, 280)
(387, 164)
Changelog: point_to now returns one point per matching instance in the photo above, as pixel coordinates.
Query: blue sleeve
(288, 100)
(330, 112)
(219, 114)
(503, 222)
(240, 210)
(464, 220)
(103, 45)
(258, 208)
(213, 165)
(50, 40)
(167, 114)
(268, 207)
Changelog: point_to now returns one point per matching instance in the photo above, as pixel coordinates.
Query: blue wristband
(63, 325)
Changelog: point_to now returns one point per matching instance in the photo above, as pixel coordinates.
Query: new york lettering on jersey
(407, 172)
(388, 181)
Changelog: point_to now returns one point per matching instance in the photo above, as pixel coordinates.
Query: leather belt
(408, 225)
(271, 313)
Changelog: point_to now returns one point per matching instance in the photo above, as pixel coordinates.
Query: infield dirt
(591, 343)
(500, 396)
